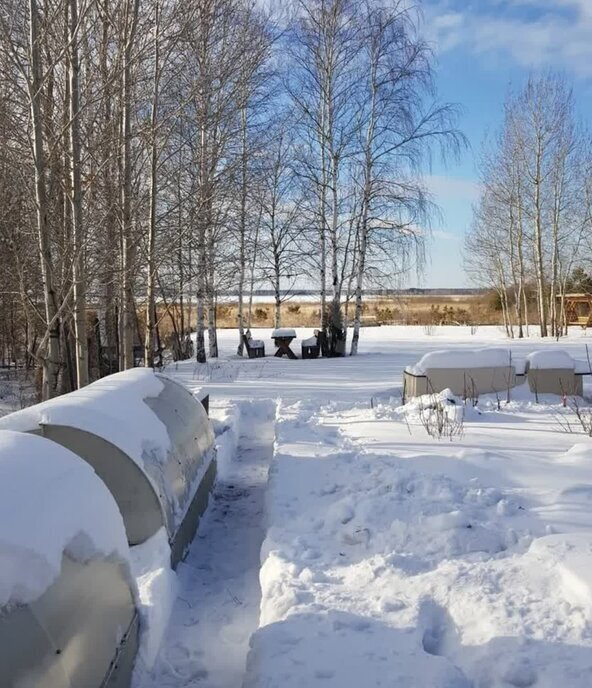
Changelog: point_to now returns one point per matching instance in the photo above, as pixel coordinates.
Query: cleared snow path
(217, 609)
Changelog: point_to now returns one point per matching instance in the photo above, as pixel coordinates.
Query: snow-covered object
(157, 590)
(112, 408)
(549, 359)
(583, 366)
(461, 358)
(256, 344)
(51, 503)
(148, 439)
(311, 341)
(389, 557)
(283, 332)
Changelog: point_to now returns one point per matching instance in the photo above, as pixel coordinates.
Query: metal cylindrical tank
(147, 437)
(67, 609)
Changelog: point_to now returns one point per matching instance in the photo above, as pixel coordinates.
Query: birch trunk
(202, 221)
(78, 271)
(211, 292)
(151, 258)
(51, 359)
(252, 269)
(538, 245)
(276, 289)
(200, 347)
(521, 295)
(323, 221)
(212, 325)
(242, 233)
(128, 242)
(366, 199)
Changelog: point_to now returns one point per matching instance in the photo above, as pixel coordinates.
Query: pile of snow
(418, 570)
(112, 407)
(51, 503)
(157, 590)
(225, 420)
(461, 358)
(547, 359)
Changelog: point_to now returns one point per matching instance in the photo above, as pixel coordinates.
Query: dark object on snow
(255, 347)
(282, 338)
(335, 333)
(332, 342)
(311, 348)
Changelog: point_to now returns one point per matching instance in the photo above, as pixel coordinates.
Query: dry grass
(410, 310)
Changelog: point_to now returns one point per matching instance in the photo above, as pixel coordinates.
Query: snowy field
(345, 546)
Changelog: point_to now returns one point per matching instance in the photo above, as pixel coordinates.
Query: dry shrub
(260, 314)
(223, 311)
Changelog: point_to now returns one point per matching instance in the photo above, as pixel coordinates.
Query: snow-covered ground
(389, 557)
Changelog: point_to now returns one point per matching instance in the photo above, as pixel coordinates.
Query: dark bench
(311, 348)
(255, 347)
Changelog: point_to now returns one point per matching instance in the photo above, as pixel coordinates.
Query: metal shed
(148, 438)
(78, 628)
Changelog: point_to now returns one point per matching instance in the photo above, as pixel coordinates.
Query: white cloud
(535, 33)
(452, 188)
(445, 235)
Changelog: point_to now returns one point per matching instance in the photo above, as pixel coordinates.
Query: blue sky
(483, 47)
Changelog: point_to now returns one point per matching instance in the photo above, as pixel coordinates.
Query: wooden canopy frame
(578, 309)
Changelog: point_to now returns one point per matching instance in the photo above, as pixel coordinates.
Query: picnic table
(282, 338)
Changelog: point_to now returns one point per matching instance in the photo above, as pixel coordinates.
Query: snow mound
(51, 502)
(461, 358)
(412, 568)
(112, 407)
(546, 359)
(571, 556)
(157, 591)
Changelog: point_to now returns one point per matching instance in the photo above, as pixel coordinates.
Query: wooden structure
(255, 347)
(311, 348)
(578, 309)
(282, 338)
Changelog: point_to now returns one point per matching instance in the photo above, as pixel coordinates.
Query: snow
(51, 502)
(157, 590)
(311, 341)
(374, 554)
(428, 564)
(217, 608)
(451, 358)
(111, 408)
(550, 359)
(390, 558)
(283, 332)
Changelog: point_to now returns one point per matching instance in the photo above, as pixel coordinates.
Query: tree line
(157, 153)
(532, 225)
